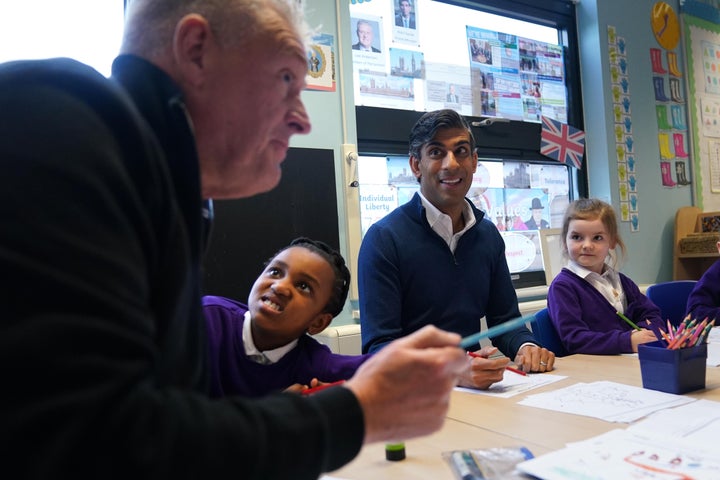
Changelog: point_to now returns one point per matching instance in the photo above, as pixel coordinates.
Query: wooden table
(480, 421)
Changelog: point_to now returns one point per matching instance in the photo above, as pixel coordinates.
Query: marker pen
(465, 466)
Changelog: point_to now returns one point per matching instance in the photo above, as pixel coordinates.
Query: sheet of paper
(621, 454)
(713, 358)
(697, 424)
(714, 335)
(610, 401)
(513, 384)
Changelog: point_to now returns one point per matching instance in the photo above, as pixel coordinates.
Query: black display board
(247, 232)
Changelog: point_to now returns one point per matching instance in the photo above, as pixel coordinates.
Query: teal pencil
(629, 322)
(471, 342)
(706, 331)
(697, 331)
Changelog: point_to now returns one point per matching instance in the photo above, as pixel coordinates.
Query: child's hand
(296, 388)
(316, 385)
(641, 336)
(300, 388)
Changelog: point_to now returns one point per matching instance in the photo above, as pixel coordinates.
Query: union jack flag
(562, 142)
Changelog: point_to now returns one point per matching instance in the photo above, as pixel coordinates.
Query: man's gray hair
(150, 24)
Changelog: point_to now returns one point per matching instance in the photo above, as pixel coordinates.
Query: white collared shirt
(271, 356)
(608, 284)
(442, 223)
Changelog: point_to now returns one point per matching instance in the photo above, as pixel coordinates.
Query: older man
(102, 189)
(366, 36)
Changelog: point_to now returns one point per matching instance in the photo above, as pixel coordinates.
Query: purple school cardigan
(233, 373)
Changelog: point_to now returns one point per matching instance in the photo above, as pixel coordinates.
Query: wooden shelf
(698, 255)
(689, 266)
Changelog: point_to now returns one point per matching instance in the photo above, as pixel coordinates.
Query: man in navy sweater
(437, 260)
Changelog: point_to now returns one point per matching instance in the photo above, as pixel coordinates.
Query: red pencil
(514, 370)
(321, 387)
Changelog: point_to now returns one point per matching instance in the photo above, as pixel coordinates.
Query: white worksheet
(610, 401)
(513, 384)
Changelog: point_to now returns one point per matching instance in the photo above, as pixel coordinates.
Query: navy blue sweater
(409, 278)
(704, 300)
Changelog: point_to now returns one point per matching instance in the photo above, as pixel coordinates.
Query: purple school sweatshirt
(233, 373)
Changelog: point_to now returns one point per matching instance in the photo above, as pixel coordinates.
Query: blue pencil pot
(672, 371)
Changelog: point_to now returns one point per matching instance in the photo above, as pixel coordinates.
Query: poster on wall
(710, 115)
(405, 24)
(483, 66)
(701, 24)
(520, 198)
(515, 77)
(321, 63)
(714, 165)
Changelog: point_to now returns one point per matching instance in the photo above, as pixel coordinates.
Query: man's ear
(191, 42)
(415, 166)
(319, 323)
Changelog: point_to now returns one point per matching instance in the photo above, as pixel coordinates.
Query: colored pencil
(512, 369)
(628, 321)
(516, 370)
(322, 387)
(473, 341)
(697, 332)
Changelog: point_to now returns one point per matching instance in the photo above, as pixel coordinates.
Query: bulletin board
(701, 33)
(247, 232)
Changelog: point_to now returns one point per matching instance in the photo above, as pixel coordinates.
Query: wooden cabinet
(689, 266)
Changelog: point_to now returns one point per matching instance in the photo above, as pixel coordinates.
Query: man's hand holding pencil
(482, 370)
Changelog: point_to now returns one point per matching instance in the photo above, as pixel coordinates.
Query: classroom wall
(650, 248)
(333, 120)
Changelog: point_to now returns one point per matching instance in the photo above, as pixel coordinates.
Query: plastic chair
(545, 333)
(671, 298)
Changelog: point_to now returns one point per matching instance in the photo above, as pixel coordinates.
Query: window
(507, 61)
(87, 30)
